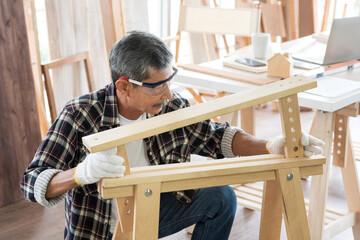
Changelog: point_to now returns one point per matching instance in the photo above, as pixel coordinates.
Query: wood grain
(19, 125)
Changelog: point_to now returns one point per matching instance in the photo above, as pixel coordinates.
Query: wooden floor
(30, 221)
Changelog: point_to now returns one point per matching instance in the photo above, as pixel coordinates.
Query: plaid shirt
(88, 215)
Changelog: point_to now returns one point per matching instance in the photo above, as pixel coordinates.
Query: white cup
(260, 44)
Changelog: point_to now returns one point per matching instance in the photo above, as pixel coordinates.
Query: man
(63, 168)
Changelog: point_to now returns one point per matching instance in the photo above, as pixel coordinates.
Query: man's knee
(229, 198)
(223, 197)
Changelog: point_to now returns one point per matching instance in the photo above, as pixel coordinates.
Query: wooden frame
(84, 56)
(138, 192)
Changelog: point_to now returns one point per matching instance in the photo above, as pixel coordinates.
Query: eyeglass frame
(151, 85)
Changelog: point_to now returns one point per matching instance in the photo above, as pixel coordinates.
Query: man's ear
(122, 86)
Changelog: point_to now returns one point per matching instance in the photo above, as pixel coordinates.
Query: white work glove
(99, 165)
(312, 145)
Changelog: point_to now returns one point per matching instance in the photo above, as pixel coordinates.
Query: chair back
(237, 21)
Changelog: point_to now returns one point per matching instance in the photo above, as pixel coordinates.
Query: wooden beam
(184, 117)
(178, 172)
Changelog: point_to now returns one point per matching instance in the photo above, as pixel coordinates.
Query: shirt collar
(110, 117)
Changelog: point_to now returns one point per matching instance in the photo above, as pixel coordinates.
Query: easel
(138, 193)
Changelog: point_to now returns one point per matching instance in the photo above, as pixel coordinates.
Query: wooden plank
(68, 34)
(121, 151)
(247, 204)
(319, 184)
(351, 111)
(115, 191)
(118, 21)
(272, 19)
(124, 224)
(227, 74)
(61, 62)
(293, 202)
(183, 117)
(216, 181)
(106, 10)
(178, 172)
(307, 15)
(248, 120)
(293, 18)
(147, 208)
(202, 163)
(351, 186)
(30, 19)
(271, 211)
(244, 194)
(237, 21)
(325, 16)
(100, 43)
(19, 125)
(340, 140)
(67, 60)
(291, 127)
(49, 93)
(340, 225)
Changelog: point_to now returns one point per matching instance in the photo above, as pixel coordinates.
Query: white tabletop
(328, 104)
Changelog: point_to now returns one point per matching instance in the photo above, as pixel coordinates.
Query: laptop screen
(344, 41)
(343, 44)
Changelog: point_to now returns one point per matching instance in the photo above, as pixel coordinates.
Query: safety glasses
(153, 89)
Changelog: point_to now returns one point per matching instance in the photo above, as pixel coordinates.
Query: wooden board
(30, 18)
(183, 117)
(199, 176)
(228, 74)
(273, 20)
(183, 171)
(19, 125)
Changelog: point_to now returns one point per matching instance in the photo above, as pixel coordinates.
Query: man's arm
(61, 183)
(244, 144)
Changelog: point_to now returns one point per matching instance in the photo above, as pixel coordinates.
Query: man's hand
(99, 165)
(311, 145)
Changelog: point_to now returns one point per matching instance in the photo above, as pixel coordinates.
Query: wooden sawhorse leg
(248, 120)
(351, 185)
(286, 191)
(143, 222)
(327, 124)
(319, 184)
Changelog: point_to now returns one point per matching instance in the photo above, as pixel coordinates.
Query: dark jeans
(212, 210)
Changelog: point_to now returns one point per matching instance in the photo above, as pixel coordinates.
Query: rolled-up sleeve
(40, 188)
(55, 154)
(226, 143)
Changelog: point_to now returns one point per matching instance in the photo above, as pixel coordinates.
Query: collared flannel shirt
(87, 215)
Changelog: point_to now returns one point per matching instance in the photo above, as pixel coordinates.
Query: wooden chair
(59, 63)
(210, 21)
(207, 20)
(138, 192)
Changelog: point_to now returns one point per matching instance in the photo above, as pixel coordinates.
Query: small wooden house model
(280, 65)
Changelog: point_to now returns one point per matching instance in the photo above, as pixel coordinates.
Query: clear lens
(157, 90)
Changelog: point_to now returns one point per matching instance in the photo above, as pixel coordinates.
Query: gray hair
(138, 53)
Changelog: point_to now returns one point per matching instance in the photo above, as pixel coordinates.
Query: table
(331, 118)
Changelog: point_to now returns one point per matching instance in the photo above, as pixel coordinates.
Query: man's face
(151, 100)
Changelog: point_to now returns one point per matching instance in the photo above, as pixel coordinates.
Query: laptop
(343, 44)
